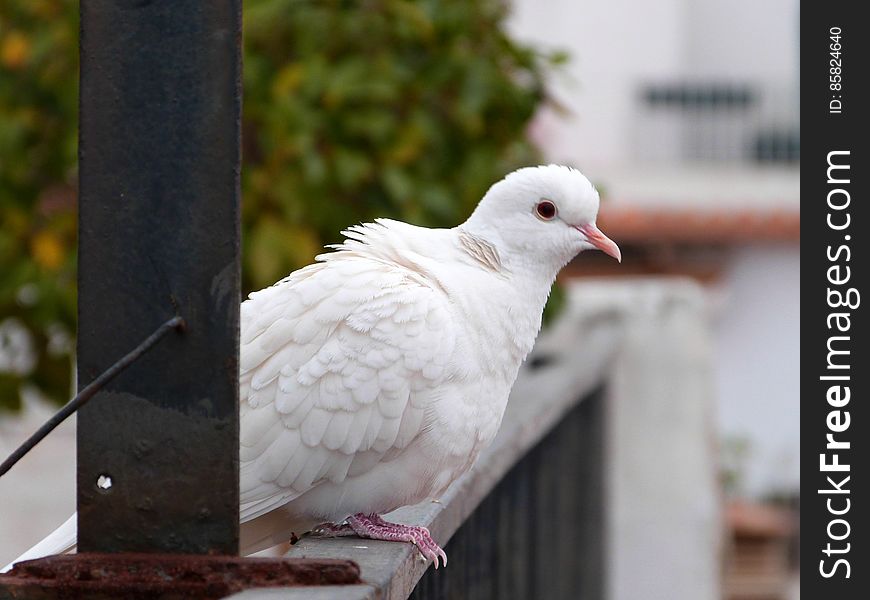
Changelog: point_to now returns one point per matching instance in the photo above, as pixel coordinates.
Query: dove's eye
(546, 210)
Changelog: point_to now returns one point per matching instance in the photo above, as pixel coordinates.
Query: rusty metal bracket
(165, 577)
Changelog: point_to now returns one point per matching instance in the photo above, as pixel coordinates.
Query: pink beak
(600, 241)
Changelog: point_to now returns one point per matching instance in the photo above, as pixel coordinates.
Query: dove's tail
(271, 529)
(257, 534)
(59, 541)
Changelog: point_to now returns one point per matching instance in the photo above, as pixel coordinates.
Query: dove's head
(545, 215)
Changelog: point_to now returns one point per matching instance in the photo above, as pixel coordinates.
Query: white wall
(664, 522)
(757, 339)
(743, 39)
(614, 46)
(618, 45)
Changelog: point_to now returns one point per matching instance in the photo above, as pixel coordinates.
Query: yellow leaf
(14, 50)
(288, 79)
(47, 250)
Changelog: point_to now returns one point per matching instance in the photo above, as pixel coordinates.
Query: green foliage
(352, 110)
(355, 110)
(38, 100)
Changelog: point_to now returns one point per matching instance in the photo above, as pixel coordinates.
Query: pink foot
(374, 527)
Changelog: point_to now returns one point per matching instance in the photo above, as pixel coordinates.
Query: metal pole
(159, 236)
(158, 468)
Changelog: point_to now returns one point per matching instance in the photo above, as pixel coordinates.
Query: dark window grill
(716, 121)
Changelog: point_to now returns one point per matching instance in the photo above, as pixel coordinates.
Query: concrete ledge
(326, 592)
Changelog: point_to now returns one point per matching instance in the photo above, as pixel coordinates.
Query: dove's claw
(375, 528)
(332, 530)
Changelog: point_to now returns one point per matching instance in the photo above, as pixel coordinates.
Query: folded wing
(339, 363)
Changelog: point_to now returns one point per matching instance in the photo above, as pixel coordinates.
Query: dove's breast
(495, 329)
(354, 395)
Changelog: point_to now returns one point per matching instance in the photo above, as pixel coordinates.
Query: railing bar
(89, 390)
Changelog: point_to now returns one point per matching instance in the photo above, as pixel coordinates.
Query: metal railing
(716, 122)
(540, 532)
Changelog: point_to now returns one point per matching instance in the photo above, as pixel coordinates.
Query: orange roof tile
(629, 224)
(752, 519)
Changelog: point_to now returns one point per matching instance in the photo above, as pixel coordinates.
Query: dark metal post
(159, 236)
(158, 444)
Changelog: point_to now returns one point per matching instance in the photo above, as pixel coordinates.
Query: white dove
(373, 378)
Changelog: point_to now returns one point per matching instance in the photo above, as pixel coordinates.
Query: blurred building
(675, 81)
(759, 555)
(686, 116)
